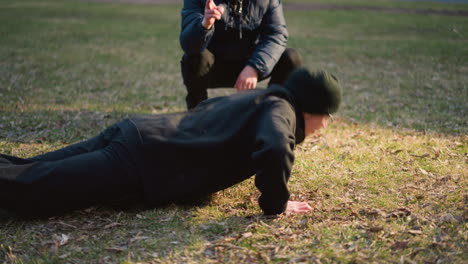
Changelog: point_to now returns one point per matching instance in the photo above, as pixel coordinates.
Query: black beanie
(316, 92)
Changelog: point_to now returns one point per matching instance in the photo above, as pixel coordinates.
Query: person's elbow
(278, 34)
(190, 45)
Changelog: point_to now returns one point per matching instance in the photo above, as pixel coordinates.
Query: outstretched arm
(274, 154)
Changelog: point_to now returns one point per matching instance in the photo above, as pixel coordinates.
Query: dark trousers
(202, 71)
(96, 171)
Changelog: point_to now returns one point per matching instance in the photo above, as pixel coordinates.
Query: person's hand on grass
(295, 207)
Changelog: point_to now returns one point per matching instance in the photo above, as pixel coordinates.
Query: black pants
(96, 171)
(203, 71)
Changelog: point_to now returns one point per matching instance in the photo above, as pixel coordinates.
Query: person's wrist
(206, 25)
(253, 70)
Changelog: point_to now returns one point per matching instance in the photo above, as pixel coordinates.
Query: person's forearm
(194, 38)
(272, 181)
(275, 157)
(265, 57)
(272, 42)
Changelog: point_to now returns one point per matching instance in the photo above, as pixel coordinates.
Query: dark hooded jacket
(223, 141)
(257, 36)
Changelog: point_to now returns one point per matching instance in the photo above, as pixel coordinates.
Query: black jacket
(258, 36)
(223, 141)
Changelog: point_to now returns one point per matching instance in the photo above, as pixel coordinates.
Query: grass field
(387, 180)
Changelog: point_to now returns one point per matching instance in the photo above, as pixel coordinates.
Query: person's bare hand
(295, 207)
(247, 79)
(212, 13)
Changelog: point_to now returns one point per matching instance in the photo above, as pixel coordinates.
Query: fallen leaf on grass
(340, 218)
(117, 249)
(420, 156)
(247, 234)
(441, 241)
(442, 245)
(376, 229)
(440, 237)
(423, 171)
(226, 246)
(374, 212)
(64, 224)
(394, 152)
(448, 218)
(82, 237)
(340, 209)
(209, 252)
(61, 240)
(426, 205)
(412, 186)
(303, 222)
(306, 259)
(112, 225)
(419, 196)
(416, 251)
(139, 216)
(351, 246)
(398, 245)
(290, 238)
(138, 238)
(400, 212)
(415, 232)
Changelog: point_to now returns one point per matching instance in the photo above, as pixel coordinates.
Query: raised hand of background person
(212, 13)
(294, 207)
(247, 79)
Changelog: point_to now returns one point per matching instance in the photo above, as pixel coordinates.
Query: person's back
(223, 141)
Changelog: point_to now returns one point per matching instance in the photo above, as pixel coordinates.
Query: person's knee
(292, 58)
(288, 62)
(197, 64)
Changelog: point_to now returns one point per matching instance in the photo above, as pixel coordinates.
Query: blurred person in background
(233, 43)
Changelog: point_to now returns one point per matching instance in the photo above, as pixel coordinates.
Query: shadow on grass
(135, 229)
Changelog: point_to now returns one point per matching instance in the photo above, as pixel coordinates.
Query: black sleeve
(193, 37)
(272, 42)
(274, 155)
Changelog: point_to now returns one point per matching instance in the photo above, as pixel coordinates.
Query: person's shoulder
(278, 104)
(275, 99)
(277, 94)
